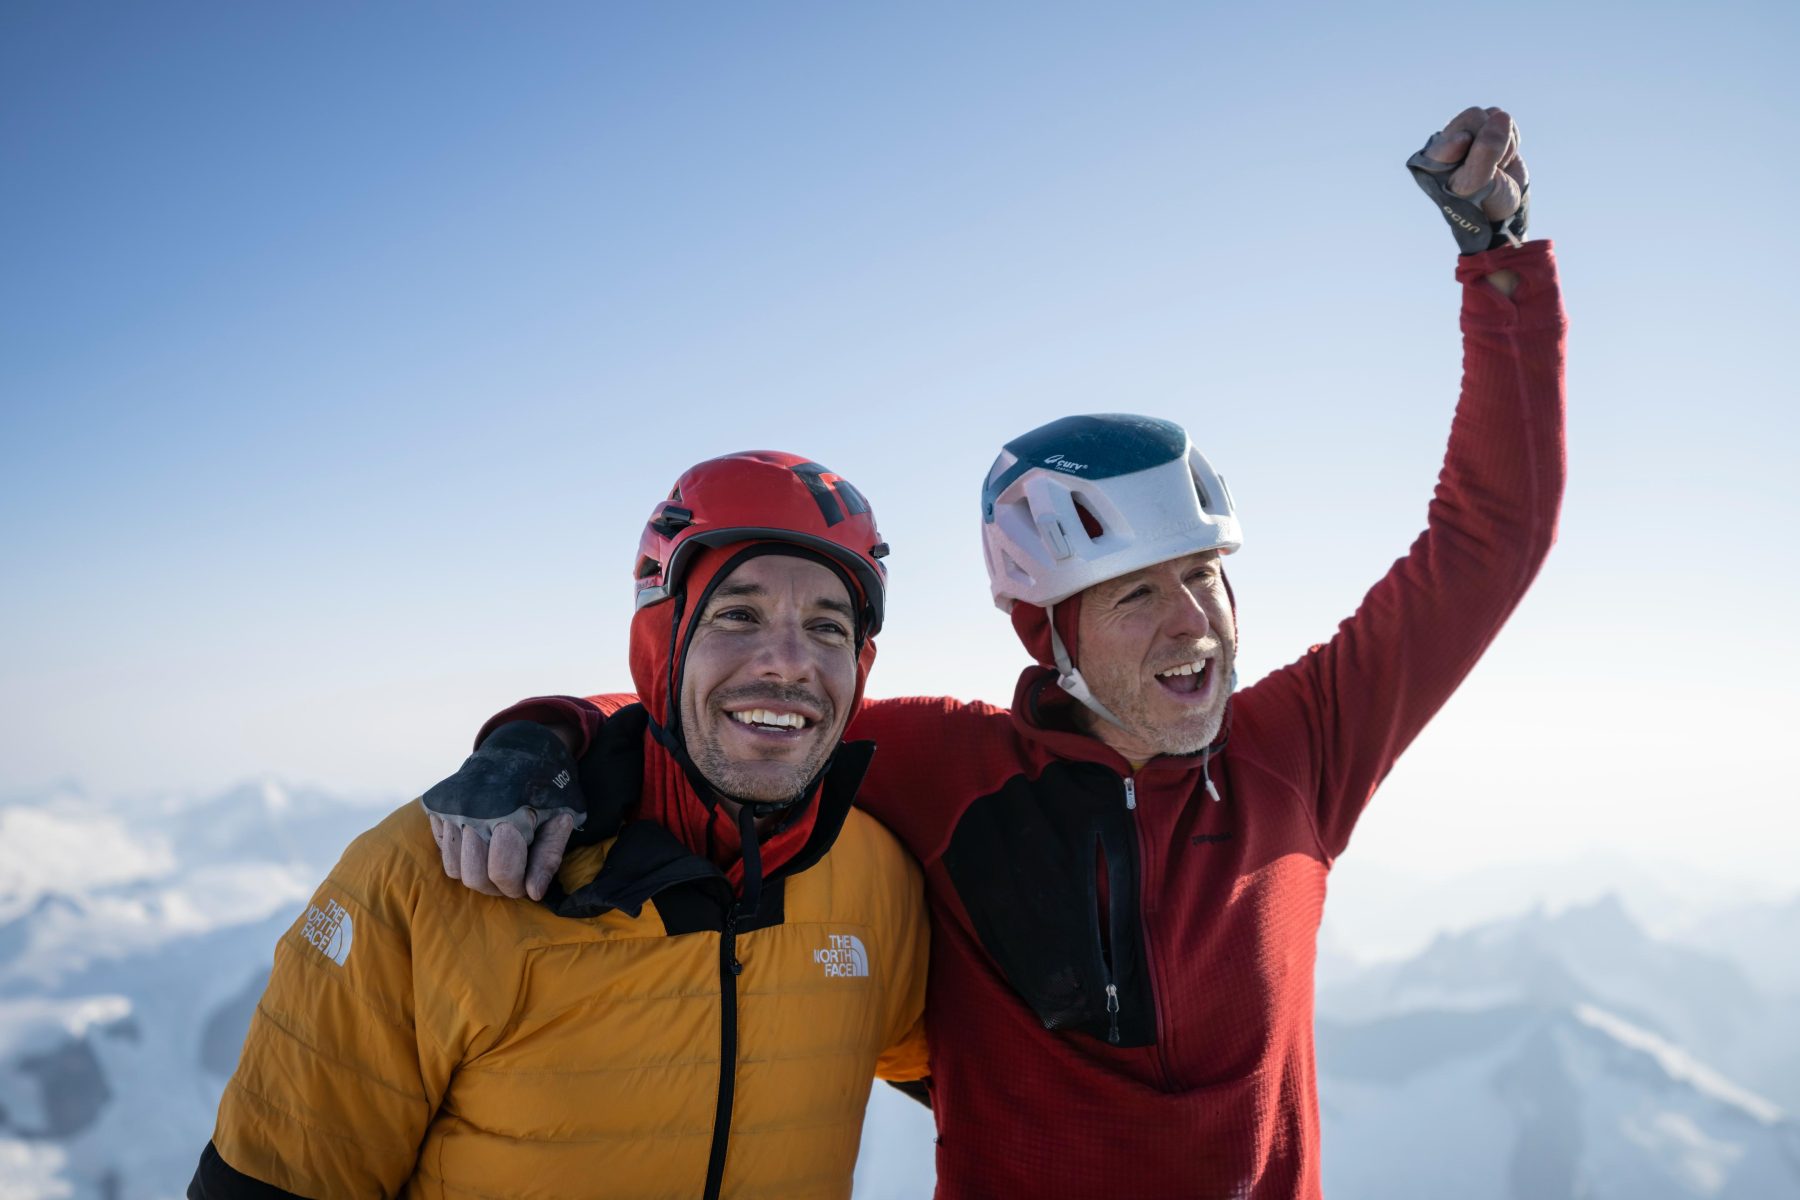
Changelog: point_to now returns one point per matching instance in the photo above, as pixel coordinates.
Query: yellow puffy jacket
(418, 1037)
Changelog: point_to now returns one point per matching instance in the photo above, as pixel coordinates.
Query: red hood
(1032, 624)
(669, 798)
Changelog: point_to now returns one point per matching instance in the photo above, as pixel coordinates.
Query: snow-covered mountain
(1596, 954)
(134, 941)
(1526, 1103)
(1542, 1056)
(1557, 1056)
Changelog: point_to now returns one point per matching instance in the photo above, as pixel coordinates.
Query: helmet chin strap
(1069, 679)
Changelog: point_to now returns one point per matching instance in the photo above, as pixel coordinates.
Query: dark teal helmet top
(1098, 446)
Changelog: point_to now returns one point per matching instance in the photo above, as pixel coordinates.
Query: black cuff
(216, 1179)
(918, 1089)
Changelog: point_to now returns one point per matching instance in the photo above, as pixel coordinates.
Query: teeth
(763, 716)
(1193, 668)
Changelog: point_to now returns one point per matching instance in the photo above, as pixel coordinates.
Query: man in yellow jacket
(732, 952)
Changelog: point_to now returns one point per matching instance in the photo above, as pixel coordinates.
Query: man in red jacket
(1127, 867)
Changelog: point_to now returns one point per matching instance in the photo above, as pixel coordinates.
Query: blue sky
(343, 350)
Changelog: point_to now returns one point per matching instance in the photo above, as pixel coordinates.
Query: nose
(784, 653)
(1186, 617)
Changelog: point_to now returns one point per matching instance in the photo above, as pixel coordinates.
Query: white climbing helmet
(1087, 499)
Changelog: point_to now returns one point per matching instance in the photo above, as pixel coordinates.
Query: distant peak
(1605, 915)
(275, 797)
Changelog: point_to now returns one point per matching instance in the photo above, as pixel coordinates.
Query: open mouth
(771, 721)
(1188, 679)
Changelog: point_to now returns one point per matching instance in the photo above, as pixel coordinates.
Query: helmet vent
(647, 567)
(672, 521)
(1089, 522)
(1091, 498)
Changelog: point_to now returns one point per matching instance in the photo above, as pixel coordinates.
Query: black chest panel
(1026, 863)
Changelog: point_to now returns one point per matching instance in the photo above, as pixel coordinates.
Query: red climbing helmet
(763, 495)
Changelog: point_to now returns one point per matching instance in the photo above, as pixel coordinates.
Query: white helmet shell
(1086, 499)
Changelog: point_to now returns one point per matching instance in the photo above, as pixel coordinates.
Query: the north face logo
(844, 958)
(329, 930)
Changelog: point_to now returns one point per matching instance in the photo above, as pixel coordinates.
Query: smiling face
(769, 677)
(1157, 647)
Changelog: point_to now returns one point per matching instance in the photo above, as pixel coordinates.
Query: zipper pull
(1130, 794)
(1112, 1013)
(731, 920)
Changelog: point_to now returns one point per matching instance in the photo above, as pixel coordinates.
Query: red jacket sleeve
(932, 754)
(584, 716)
(1336, 720)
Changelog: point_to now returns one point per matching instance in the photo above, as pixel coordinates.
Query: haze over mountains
(1568, 1055)
(1544, 1053)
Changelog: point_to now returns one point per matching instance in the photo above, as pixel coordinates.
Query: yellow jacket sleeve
(905, 1057)
(350, 1050)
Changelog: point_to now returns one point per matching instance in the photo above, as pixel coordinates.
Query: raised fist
(1472, 170)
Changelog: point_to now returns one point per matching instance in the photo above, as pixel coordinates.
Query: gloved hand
(503, 820)
(1472, 171)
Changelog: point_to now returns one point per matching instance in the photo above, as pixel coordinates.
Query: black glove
(521, 766)
(1474, 230)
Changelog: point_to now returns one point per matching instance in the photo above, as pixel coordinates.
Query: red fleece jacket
(1222, 1101)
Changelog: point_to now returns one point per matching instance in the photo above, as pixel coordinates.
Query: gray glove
(1474, 230)
(486, 817)
(521, 765)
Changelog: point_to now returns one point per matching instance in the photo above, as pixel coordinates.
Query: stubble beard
(768, 781)
(736, 782)
(1131, 705)
(1185, 737)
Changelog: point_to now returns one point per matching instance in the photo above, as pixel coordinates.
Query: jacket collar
(645, 857)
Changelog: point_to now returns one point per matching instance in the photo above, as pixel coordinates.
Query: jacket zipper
(729, 969)
(1158, 1051)
(1112, 987)
(1109, 940)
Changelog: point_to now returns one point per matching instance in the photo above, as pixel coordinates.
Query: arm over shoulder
(581, 717)
(931, 753)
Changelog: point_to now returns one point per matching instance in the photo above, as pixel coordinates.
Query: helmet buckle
(1054, 535)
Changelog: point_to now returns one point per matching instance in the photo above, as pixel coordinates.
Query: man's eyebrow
(837, 606)
(1119, 586)
(729, 591)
